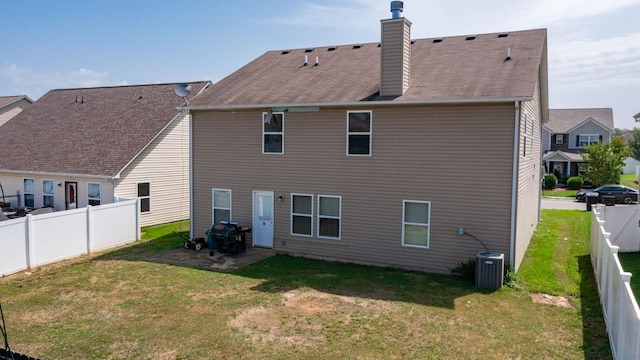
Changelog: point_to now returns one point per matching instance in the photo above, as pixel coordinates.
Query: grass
(117, 305)
(631, 263)
(629, 180)
(559, 192)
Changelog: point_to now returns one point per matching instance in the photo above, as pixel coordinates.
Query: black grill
(227, 237)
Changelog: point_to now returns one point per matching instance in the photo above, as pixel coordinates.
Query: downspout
(191, 233)
(514, 184)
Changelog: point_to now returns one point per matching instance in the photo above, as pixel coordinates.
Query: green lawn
(118, 305)
(629, 180)
(559, 193)
(631, 263)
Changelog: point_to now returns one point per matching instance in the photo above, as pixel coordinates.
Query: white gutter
(148, 144)
(514, 182)
(67, 175)
(361, 103)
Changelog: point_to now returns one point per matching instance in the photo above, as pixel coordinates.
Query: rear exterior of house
(123, 142)
(328, 164)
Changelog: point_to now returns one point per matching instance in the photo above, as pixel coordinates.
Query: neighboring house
(568, 132)
(90, 146)
(11, 106)
(378, 153)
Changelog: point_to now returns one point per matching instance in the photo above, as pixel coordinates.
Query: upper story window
(416, 216)
(559, 139)
(302, 214)
(93, 193)
(359, 133)
(29, 193)
(144, 193)
(47, 193)
(221, 199)
(588, 139)
(273, 133)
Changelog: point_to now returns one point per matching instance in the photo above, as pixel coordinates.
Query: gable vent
(471, 37)
(308, 50)
(502, 35)
(285, 52)
(357, 46)
(332, 48)
(437, 40)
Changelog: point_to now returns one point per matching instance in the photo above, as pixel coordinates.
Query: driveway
(563, 204)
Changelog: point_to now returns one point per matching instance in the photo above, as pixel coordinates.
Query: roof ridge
(130, 86)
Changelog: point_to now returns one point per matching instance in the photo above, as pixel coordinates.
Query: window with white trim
(329, 216)
(273, 133)
(302, 214)
(588, 139)
(93, 193)
(144, 194)
(416, 216)
(559, 139)
(47, 193)
(221, 205)
(29, 192)
(359, 133)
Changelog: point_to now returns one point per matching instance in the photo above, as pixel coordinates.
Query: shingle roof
(562, 120)
(96, 135)
(453, 69)
(6, 100)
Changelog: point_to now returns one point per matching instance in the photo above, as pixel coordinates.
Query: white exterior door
(263, 219)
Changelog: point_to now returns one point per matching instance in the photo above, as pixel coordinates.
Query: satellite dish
(182, 90)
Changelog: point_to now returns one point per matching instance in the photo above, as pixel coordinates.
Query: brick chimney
(395, 52)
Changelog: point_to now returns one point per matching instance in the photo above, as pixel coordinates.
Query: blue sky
(594, 45)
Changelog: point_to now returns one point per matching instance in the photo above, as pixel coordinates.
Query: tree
(605, 161)
(634, 144)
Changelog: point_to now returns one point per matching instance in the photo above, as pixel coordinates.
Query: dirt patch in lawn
(304, 317)
(551, 300)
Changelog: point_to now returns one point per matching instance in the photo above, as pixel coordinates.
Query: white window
(559, 139)
(144, 194)
(221, 203)
(302, 214)
(359, 133)
(47, 193)
(329, 216)
(93, 193)
(416, 216)
(273, 133)
(29, 193)
(588, 139)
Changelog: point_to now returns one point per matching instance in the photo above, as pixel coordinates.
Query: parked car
(622, 194)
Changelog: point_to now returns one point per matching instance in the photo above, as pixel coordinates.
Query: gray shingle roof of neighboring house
(453, 69)
(8, 100)
(563, 120)
(88, 131)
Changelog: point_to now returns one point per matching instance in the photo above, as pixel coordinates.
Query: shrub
(575, 183)
(466, 270)
(510, 277)
(550, 181)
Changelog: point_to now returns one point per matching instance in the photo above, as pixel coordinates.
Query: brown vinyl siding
(528, 179)
(395, 56)
(458, 157)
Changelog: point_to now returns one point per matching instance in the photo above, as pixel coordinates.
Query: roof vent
(357, 46)
(285, 51)
(413, 41)
(332, 48)
(471, 37)
(379, 44)
(437, 40)
(308, 50)
(504, 34)
(396, 9)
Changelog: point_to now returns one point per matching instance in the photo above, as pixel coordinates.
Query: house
(91, 146)
(11, 106)
(568, 132)
(378, 153)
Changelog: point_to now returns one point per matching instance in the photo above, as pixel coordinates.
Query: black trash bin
(591, 198)
(609, 200)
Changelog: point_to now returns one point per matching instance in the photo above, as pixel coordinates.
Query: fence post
(137, 218)
(89, 228)
(29, 239)
(623, 313)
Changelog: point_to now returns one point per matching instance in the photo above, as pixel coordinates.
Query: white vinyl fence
(42, 239)
(619, 306)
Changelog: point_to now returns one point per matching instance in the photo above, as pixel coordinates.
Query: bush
(575, 183)
(550, 181)
(466, 270)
